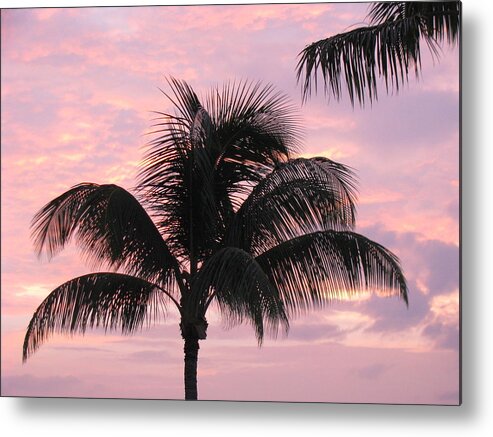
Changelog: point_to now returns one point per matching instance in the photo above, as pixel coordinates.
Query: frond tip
(316, 268)
(108, 300)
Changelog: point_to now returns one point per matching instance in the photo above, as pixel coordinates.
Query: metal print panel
(232, 202)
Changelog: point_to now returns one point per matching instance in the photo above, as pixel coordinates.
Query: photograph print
(254, 202)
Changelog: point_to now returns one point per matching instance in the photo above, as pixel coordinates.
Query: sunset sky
(78, 87)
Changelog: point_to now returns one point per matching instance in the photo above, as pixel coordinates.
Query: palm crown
(236, 222)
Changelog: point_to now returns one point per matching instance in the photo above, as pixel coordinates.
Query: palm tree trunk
(191, 358)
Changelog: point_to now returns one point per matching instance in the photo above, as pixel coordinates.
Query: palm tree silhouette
(388, 47)
(237, 223)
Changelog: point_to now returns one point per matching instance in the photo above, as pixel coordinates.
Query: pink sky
(78, 86)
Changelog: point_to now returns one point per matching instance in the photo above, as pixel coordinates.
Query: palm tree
(237, 224)
(388, 47)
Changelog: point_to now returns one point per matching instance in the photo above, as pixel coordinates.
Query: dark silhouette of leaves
(389, 48)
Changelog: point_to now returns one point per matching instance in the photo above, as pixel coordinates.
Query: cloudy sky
(78, 87)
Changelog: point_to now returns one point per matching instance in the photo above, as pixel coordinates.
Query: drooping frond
(203, 158)
(316, 268)
(389, 48)
(108, 300)
(301, 196)
(110, 226)
(242, 290)
(360, 57)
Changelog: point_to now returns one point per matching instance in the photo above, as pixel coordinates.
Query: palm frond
(300, 196)
(108, 300)
(381, 12)
(110, 226)
(440, 20)
(237, 283)
(316, 268)
(389, 47)
(360, 57)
